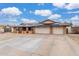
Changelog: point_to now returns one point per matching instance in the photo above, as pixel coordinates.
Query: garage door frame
(62, 28)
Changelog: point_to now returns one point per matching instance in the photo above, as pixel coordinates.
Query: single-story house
(44, 27)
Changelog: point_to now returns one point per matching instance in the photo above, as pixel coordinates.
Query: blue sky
(12, 13)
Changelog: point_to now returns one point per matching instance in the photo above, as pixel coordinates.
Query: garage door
(58, 30)
(43, 30)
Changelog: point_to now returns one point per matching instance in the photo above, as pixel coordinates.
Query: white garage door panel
(58, 30)
(42, 30)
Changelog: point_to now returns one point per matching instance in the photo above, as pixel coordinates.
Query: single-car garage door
(58, 30)
(42, 30)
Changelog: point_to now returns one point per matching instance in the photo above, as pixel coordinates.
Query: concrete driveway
(37, 45)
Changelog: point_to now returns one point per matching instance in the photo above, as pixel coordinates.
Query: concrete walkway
(37, 45)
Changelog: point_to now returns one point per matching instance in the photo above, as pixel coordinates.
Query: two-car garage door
(42, 30)
(47, 30)
(58, 30)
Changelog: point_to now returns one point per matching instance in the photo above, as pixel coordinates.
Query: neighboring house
(44, 27)
(75, 26)
(75, 30)
(2, 28)
(7, 28)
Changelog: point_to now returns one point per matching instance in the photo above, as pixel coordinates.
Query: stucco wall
(69, 29)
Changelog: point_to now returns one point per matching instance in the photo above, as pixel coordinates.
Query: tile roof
(41, 24)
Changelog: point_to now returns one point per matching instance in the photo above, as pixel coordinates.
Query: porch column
(20, 29)
(33, 30)
(50, 29)
(64, 28)
(17, 31)
(26, 30)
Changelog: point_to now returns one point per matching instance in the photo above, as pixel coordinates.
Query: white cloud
(68, 6)
(76, 17)
(28, 20)
(75, 20)
(60, 5)
(72, 6)
(73, 12)
(31, 12)
(14, 20)
(43, 12)
(24, 9)
(11, 11)
(54, 16)
(41, 4)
